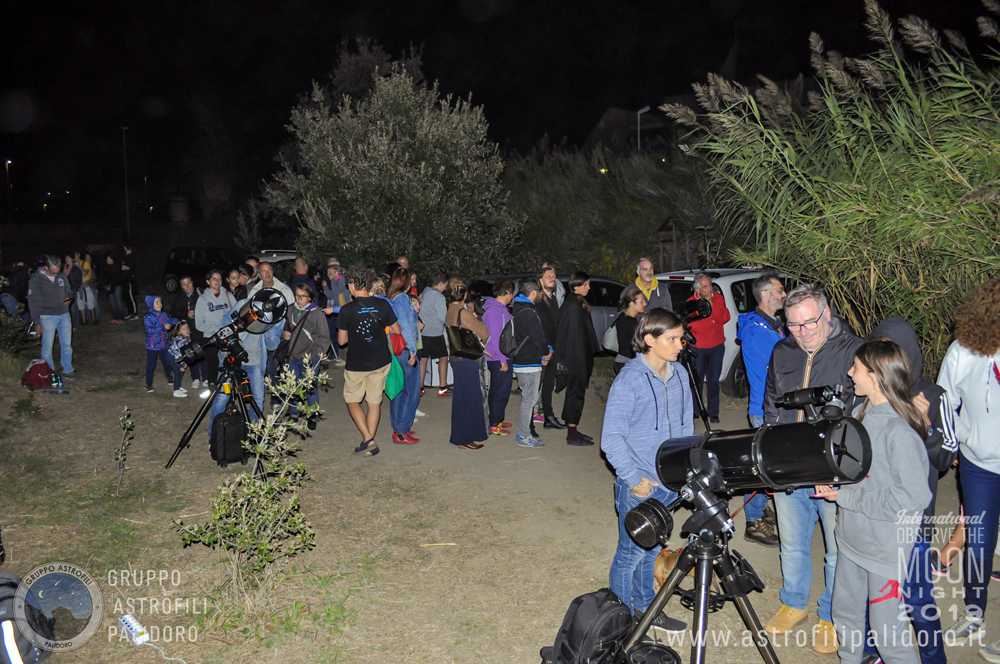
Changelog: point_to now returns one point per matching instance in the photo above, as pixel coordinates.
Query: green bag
(394, 381)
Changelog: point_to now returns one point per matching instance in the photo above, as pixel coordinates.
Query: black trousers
(211, 370)
(548, 386)
(128, 295)
(576, 392)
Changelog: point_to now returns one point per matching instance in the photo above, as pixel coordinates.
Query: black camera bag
(14, 647)
(593, 631)
(228, 432)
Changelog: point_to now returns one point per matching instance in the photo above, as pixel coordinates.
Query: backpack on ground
(508, 344)
(38, 375)
(14, 647)
(594, 629)
(228, 432)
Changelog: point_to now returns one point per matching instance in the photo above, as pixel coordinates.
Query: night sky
(206, 88)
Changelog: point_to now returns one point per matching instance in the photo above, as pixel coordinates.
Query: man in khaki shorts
(362, 325)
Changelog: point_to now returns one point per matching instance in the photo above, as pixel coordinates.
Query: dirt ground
(425, 553)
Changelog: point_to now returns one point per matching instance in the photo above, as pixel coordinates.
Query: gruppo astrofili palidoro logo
(58, 606)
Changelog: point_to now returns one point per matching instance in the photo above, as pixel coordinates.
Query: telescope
(825, 448)
(256, 316)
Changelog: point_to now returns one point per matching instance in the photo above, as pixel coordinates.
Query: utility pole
(128, 223)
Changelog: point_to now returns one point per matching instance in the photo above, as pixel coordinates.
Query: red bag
(37, 375)
(398, 343)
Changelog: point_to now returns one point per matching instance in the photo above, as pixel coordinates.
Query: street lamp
(128, 224)
(638, 127)
(9, 214)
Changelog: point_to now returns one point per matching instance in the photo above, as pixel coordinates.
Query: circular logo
(58, 606)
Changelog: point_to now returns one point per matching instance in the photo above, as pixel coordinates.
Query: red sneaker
(506, 425)
(404, 440)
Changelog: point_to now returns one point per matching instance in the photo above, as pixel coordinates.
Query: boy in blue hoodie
(157, 326)
(649, 402)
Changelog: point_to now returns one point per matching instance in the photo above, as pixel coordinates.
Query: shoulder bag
(610, 342)
(464, 342)
(284, 349)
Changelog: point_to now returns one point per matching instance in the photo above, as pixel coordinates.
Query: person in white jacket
(970, 373)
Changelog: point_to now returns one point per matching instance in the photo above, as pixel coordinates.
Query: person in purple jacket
(157, 326)
(496, 316)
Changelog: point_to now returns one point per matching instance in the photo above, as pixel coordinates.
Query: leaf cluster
(882, 185)
(401, 171)
(121, 454)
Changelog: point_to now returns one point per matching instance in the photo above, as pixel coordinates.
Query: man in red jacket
(711, 343)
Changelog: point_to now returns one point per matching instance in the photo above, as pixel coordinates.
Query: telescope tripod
(231, 374)
(687, 361)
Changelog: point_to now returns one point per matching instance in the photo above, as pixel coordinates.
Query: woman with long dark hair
(576, 343)
(468, 416)
(310, 343)
(631, 307)
(403, 408)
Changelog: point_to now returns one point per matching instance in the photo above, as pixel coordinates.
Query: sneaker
(869, 658)
(420, 413)
(499, 431)
(538, 418)
(965, 629)
(825, 638)
(664, 622)
(149, 389)
(528, 442)
(785, 619)
(195, 384)
(991, 653)
(506, 425)
(714, 419)
(761, 532)
(444, 392)
(70, 376)
(180, 394)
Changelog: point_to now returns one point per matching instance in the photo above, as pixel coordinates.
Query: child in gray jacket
(880, 516)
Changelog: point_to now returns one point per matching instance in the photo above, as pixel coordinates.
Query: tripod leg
(699, 627)
(685, 563)
(688, 363)
(186, 438)
(727, 573)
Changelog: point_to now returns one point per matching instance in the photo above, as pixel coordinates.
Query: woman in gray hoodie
(880, 516)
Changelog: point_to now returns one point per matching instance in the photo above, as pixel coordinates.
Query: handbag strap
(296, 332)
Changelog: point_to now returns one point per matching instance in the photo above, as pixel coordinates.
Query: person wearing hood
(576, 343)
(819, 351)
(307, 324)
(496, 315)
(970, 373)
(157, 325)
(532, 356)
(649, 402)
(942, 448)
(758, 331)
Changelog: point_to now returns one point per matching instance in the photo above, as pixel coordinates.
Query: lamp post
(128, 223)
(638, 127)
(9, 213)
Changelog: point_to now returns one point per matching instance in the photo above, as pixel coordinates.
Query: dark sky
(207, 87)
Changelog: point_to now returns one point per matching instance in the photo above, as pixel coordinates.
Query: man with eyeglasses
(819, 351)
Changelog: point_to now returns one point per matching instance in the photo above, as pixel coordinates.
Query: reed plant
(882, 185)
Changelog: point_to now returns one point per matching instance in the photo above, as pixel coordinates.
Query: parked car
(603, 298)
(736, 285)
(196, 262)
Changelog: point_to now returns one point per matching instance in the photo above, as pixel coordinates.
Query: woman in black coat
(576, 343)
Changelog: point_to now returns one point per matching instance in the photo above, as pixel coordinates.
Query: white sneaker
(965, 629)
(181, 389)
(421, 413)
(180, 393)
(195, 384)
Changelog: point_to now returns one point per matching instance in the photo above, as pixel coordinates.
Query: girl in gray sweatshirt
(879, 517)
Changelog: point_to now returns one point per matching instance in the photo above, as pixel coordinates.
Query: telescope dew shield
(260, 312)
(777, 457)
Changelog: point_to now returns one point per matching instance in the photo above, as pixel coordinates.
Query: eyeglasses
(808, 325)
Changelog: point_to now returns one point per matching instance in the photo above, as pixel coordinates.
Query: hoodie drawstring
(656, 402)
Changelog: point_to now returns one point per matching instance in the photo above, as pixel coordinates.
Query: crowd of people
(395, 327)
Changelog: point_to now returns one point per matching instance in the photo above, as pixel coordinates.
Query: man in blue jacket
(758, 331)
(649, 402)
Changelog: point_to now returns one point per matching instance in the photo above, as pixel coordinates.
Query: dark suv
(196, 262)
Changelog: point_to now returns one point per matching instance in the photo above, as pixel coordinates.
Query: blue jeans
(403, 408)
(797, 515)
(256, 377)
(169, 367)
(918, 595)
(117, 305)
(708, 365)
(11, 304)
(298, 367)
(632, 567)
(58, 325)
(981, 491)
(500, 384)
(754, 507)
